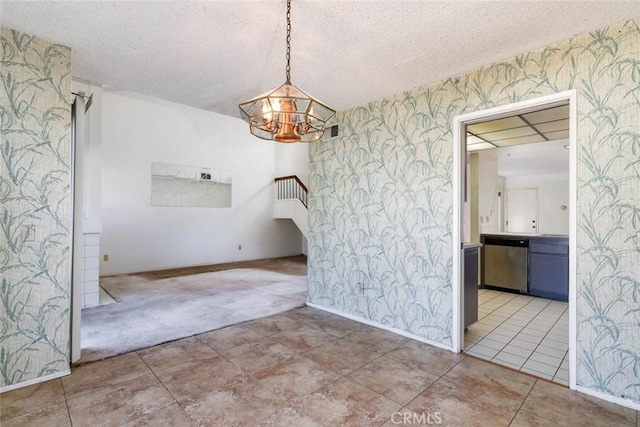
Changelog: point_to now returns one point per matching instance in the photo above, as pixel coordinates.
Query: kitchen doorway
(521, 210)
(461, 124)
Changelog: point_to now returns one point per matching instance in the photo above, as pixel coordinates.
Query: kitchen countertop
(471, 245)
(529, 235)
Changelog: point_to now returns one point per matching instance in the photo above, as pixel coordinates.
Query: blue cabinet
(471, 253)
(549, 268)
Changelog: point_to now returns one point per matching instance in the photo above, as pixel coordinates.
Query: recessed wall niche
(190, 186)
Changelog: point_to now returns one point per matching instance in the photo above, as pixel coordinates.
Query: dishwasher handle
(519, 243)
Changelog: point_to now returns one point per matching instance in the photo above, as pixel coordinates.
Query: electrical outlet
(29, 233)
(105, 257)
(361, 288)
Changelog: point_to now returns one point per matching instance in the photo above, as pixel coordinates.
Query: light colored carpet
(151, 312)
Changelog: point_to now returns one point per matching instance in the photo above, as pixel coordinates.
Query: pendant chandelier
(286, 113)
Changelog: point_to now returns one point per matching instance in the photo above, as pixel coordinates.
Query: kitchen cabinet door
(470, 286)
(549, 276)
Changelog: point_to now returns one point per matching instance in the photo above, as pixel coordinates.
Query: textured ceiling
(215, 54)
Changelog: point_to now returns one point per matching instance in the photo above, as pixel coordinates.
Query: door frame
(78, 128)
(459, 169)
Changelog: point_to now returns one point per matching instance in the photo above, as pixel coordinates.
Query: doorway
(521, 210)
(459, 183)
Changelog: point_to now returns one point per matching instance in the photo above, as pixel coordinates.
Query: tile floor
(522, 332)
(302, 368)
(105, 298)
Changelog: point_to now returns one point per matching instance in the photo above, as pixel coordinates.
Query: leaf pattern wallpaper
(35, 203)
(381, 200)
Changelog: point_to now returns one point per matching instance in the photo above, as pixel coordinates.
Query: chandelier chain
(286, 114)
(288, 41)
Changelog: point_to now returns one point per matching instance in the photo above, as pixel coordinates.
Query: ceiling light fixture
(286, 113)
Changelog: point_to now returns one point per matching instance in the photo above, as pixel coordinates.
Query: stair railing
(290, 187)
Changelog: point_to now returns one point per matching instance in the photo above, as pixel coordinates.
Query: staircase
(291, 202)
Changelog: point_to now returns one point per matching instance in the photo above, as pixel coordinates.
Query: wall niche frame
(178, 185)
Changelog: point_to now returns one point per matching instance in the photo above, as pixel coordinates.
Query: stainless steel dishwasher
(505, 263)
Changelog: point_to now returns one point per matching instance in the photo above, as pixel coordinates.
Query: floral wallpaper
(381, 200)
(35, 157)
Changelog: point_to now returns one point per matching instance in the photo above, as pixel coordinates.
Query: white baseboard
(613, 399)
(380, 326)
(35, 381)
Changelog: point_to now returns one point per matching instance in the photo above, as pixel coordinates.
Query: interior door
(521, 210)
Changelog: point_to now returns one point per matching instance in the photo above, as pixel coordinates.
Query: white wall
(88, 194)
(553, 193)
(293, 159)
(137, 131)
(466, 228)
(489, 184)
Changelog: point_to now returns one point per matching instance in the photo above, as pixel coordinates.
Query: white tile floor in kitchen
(105, 298)
(522, 332)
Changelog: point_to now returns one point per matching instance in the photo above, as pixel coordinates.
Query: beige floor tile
(458, 405)
(237, 376)
(407, 417)
(342, 403)
(393, 379)
(194, 379)
(303, 337)
(241, 402)
(171, 416)
(378, 339)
(29, 399)
(342, 356)
(339, 326)
(528, 419)
(272, 324)
(494, 379)
(561, 406)
(174, 353)
(427, 358)
(475, 393)
(259, 354)
(307, 314)
(230, 337)
(90, 377)
(119, 403)
(51, 416)
(295, 377)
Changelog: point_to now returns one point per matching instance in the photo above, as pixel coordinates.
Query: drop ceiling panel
(496, 125)
(548, 115)
(480, 146)
(547, 124)
(554, 126)
(520, 140)
(509, 133)
(472, 139)
(563, 134)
